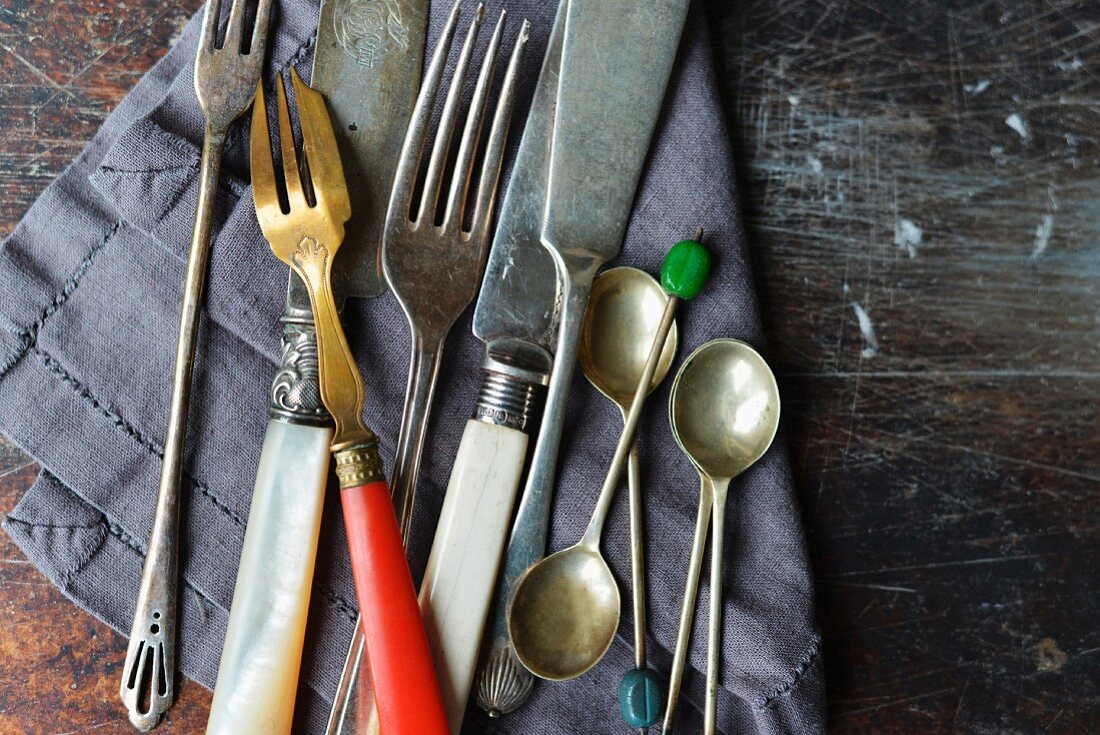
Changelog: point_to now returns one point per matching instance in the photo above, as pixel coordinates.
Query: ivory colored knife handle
(258, 675)
(465, 558)
(405, 688)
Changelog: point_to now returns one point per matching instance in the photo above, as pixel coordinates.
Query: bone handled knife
(514, 316)
(615, 61)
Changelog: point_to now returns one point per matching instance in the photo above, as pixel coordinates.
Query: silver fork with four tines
(435, 269)
(225, 81)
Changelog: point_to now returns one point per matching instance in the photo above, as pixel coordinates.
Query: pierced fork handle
(148, 676)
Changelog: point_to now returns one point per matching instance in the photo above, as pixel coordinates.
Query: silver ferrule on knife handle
(510, 396)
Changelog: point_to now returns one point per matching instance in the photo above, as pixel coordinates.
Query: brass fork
(435, 269)
(225, 77)
(303, 220)
(304, 223)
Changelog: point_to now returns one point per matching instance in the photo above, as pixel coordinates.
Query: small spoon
(623, 313)
(565, 610)
(724, 410)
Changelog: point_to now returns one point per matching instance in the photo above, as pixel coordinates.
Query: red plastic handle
(405, 686)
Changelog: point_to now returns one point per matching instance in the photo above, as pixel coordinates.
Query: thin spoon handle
(691, 593)
(714, 632)
(637, 555)
(626, 441)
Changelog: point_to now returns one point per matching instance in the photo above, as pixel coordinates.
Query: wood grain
(931, 167)
(919, 179)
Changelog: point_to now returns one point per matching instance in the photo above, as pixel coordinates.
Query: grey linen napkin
(91, 282)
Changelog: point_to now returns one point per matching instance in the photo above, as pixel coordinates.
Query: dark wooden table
(920, 181)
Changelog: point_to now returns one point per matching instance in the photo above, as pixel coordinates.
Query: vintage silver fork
(225, 81)
(435, 269)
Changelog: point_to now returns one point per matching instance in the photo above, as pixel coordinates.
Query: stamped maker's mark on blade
(369, 29)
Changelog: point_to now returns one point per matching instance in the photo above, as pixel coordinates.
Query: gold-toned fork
(435, 269)
(304, 224)
(225, 78)
(303, 216)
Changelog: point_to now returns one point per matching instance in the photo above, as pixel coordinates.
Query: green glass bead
(686, 269)
(641, 697)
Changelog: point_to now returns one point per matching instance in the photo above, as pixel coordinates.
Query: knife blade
(516, 310)
(367, 66)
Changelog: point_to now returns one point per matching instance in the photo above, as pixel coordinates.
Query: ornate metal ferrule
(359, 465)
(509, 396)
(296, 390)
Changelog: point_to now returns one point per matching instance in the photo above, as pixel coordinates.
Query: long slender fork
(435, 270)
(225, 80)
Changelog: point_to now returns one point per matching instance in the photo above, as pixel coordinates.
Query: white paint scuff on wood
(908, 236)
(1042, 235)
(867, 329)
(1018, 124)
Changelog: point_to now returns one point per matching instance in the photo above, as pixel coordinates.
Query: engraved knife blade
(367, 65)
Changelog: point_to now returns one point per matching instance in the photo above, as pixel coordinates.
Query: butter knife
(616, 59)
(367, 65)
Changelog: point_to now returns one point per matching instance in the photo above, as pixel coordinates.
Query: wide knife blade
(616, 61)
(367, 65)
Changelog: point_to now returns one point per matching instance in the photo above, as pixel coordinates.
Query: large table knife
(515, 317)
(367, 65)
(615, 64)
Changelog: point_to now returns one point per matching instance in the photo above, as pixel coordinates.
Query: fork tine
(321, 155)
(210, 25)
(413, 147)
(295, 195)
(234, 29)
(498, 136)
(433, 182)
(259, 30)
(262, 166)
(471, 134)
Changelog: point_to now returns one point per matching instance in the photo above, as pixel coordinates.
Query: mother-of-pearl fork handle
(258, 674)
(465, 557)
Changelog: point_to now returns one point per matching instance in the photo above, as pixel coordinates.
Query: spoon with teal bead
(566, 608)
(623, 313)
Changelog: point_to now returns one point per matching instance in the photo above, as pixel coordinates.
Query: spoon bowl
(724, 407)
(623, 314)
(565, 614)
(724, 410)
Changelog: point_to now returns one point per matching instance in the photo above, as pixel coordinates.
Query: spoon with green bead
(566, 608)
(623, 313)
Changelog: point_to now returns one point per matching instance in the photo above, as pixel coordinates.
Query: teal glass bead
(686, 269)
(641, 697)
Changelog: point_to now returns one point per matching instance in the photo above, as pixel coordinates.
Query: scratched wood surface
(919, 179)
